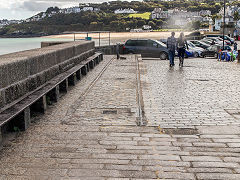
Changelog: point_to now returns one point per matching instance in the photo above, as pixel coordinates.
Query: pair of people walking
(180, 44)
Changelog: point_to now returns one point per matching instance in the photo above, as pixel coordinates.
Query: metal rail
(87, 33)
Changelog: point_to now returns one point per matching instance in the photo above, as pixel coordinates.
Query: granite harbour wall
(23, 72)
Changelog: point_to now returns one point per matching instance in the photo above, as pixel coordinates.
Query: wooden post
(57, 93)
(27, 118)
(84, 70)
(91, 64)
(63, 87)
(44, 103)
(79, 74)
(72, 80)
(39, 106)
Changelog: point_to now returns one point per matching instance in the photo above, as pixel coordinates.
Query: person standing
(181, 45)
(235, 46)
(171, 46)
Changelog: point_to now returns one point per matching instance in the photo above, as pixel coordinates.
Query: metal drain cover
(185, 131)
(199, 80)
(120, 78)
(110, 112)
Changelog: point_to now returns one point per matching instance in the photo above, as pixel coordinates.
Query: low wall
(23, 72)
(53, 43)
(109, 50)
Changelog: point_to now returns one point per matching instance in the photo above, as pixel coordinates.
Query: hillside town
(6, 22)
(132, 19)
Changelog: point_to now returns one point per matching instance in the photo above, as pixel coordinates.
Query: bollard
(118, 49)
(238, 56)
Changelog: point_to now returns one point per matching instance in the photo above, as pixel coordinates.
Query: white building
(44, 15)
(88, 8)
(125, 11)
(158, 13)
(146, 27)
(218, 22)
(206, 19)
(76, 10)
(96, 9)
(205, 13)
(230, 10)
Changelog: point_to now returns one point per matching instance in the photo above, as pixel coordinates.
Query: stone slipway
(92, 133)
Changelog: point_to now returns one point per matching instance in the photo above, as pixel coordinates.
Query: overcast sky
(22, 9)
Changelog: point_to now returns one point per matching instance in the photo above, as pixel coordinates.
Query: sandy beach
(120, 37)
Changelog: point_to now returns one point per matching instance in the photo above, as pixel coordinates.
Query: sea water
(10, 45)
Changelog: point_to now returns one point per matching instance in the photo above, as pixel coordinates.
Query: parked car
(195, 34)
(209, 42)
(214, 50)
(163, 41)
(200, 44)
(226, 41)
(147, 48)
(196, 51)
(221, 36)
(216, 40)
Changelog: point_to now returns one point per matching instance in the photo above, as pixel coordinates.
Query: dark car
(194, 34)
(214, 50)
(147, 48)
(164, 41)
(200, 44)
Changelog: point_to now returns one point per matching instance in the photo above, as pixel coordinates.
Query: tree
(196, 25)
(152, 24)
(236, 16)
(51, 9)
(159, 23)
(140, 23)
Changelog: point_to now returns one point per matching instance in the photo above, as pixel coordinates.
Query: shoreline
(104, 35)
(118, 34)
(118, 37)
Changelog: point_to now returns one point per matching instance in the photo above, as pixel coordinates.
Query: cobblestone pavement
(92, 133)
(204, 92)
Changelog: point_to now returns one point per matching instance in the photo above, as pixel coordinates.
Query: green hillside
(145, 15)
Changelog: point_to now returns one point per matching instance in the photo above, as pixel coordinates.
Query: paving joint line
(82, 96)
(140, 119)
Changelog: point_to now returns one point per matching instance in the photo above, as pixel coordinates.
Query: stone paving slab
(94, 135)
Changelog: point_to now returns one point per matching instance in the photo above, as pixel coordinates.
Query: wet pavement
(204, 92)
(189, 129)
